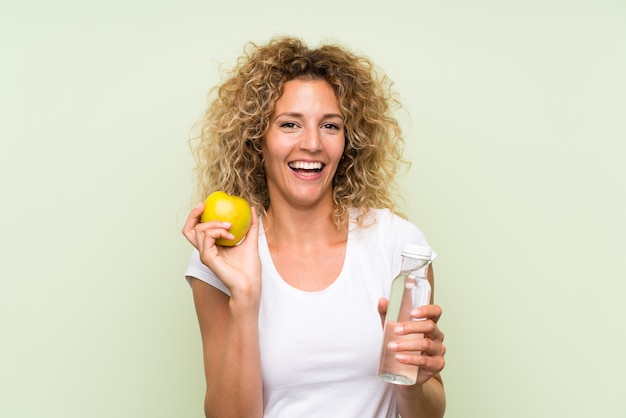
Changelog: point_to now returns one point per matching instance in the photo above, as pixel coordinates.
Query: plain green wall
(517, 136)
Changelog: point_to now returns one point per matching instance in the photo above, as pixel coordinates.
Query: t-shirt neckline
(275, 275)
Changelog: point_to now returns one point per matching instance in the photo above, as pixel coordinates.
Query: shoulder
(387, 223)
(388, 230)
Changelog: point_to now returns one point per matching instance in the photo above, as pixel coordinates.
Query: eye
(288, 125)
(331, 126)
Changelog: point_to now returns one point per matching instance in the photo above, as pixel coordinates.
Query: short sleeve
(394, 232)
(201, 272)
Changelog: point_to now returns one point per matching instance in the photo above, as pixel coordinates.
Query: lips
(306, 167)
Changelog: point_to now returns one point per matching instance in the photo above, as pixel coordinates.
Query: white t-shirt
(320, 350)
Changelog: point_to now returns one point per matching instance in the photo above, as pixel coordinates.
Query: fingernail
(392, 345)
(398, 329)
(401, 357)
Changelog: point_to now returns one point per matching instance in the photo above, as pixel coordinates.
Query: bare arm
(425, 399)
(229, 325)
(232, 364)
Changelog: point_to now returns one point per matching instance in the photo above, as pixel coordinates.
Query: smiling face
(304, 144)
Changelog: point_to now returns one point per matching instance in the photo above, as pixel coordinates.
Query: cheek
(269, 152)
(275, 145)
(272, 163)
(339, 149)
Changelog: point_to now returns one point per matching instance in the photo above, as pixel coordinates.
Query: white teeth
(305, 165)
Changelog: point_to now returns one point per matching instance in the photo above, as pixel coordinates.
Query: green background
(515, 122)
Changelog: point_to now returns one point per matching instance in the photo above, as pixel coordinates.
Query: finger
(255, 219)
(428, 311)
(382, 309)
(206, 233)
(430, 360)
(208, 249)
(422, 346)
(427, 328)
(253, 232)
(212, 229)
(429, 365)
(192, 220)
(382, 306)
(217, 230)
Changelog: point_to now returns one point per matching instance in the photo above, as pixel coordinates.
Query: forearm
(423, 401)
(236, 389)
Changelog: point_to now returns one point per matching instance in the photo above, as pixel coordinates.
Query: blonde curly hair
(227, 149)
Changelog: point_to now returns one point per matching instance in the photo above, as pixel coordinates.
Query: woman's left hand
(428, 352)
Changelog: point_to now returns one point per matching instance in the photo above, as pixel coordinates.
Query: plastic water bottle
(408, 290)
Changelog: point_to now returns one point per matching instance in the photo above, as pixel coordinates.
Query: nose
(311, 140)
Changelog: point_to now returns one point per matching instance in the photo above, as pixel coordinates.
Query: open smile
(307, 168)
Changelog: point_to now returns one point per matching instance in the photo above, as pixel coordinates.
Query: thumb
(253, 232)
(382, 309)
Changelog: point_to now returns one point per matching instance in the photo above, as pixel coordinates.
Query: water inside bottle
(399, 308)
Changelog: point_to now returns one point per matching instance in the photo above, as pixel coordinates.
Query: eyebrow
(299, 115)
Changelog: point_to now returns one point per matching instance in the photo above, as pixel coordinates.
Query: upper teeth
(305, 165)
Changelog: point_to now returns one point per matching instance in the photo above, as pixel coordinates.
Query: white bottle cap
(417, 251)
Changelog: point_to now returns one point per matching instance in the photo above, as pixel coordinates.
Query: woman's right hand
(238, 267)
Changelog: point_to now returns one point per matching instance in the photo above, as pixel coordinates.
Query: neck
(289, 226)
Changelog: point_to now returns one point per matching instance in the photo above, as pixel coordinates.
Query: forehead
(307, 93)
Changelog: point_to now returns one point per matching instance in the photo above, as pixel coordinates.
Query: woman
(290, 319)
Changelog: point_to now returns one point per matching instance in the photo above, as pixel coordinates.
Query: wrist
(424, 400)
(244, 297)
